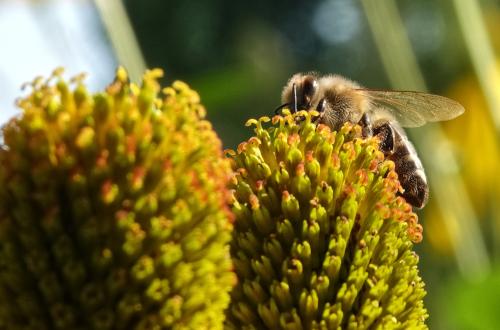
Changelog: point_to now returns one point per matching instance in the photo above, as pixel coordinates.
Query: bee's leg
(386, 134)
(321, 109)
(366, 126)
(277, 111)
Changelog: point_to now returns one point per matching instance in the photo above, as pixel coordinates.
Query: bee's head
(300, 92)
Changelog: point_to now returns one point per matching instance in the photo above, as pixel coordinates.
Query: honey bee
(380, 113)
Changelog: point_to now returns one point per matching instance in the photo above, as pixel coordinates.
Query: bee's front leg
(385, 132)
(366, 126)
(321, 109)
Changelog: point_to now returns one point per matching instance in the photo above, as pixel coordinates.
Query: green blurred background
(238, 55)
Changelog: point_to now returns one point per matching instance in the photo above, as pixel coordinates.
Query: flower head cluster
(321, 238)
(113, 209)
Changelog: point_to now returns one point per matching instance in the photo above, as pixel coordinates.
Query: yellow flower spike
(121, 74)
(58, 72)
(334, 251)
(79, 78)
(37, 82)
(117, 226)
(168, 91)
(180, 86)
(264, 119)
(251, 122)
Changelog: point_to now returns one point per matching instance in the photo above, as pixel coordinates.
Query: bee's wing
(413, 109)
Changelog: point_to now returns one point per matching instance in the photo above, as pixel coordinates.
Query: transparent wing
(413, 109)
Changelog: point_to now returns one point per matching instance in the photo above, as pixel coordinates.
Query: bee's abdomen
(410, 171)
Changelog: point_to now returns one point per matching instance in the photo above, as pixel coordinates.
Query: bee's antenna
(277, 110)
(295, 105)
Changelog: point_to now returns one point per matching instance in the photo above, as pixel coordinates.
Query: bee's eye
(309, 88)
